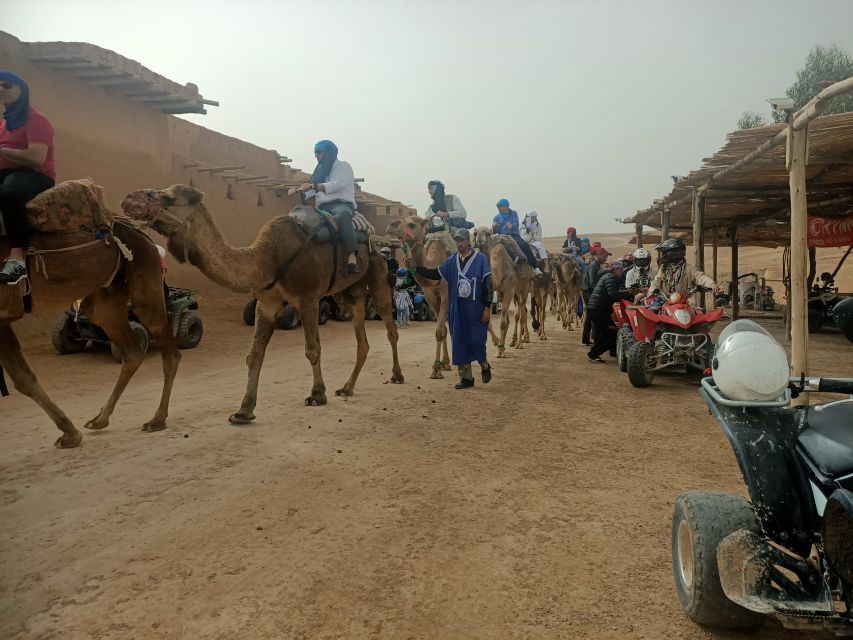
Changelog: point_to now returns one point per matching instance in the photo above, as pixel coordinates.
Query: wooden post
(639, 228)
(797, 158)
(664, 225)
(699, 239)
(735, 303)
(714, 264)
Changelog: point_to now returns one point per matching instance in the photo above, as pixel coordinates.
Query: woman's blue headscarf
(330, 154)
(16, 113)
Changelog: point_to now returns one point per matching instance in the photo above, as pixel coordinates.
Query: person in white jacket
(446, 212)
(531, 232)
(332, 185)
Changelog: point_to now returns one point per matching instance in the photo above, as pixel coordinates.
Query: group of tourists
(27, 168)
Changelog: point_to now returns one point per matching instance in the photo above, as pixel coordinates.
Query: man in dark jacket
(590, 279)
(605, 294)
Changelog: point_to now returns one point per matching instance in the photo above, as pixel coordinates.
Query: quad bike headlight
(682, 316)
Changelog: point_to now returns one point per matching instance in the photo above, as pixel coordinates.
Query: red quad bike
(675, 335)
(624, 334)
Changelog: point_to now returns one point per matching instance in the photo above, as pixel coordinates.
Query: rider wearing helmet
(641, 275)
(392, 263)
(675, 275)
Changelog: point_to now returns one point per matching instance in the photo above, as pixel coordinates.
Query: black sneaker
(12, 272)
(465, 383)
(352, 267)
(487, 374)
(596, 360)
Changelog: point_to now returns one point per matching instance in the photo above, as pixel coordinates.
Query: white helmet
(749, 364)
(385, 251)
(642, 258)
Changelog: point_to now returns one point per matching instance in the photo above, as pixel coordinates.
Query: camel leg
(506, 317)
(357, 310)
(442, 359)
(107, 308)
(25, 381)
(495, 339)
(384, 305)
(310, 315)
(156, 320)
(542, 306)
(264, 328)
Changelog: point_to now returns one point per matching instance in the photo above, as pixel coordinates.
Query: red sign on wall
(830, 232)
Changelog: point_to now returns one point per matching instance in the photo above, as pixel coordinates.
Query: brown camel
(431, 253)
(281, 264)
(539, 289)
(568, 290)
(98, 272)
(511, 282)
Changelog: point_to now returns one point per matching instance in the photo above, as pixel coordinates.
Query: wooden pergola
(758, 189)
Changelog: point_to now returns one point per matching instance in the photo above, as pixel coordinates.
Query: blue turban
(16, 113)
(503, 202)
(330, 155)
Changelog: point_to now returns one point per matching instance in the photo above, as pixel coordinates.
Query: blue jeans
(403, 315)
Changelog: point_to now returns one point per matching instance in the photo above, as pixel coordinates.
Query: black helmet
(671, 250)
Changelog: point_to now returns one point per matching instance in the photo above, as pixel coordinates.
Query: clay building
(115, 121)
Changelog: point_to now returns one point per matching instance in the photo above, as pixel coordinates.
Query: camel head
(482, 235)
(170, 212)
(410, 231)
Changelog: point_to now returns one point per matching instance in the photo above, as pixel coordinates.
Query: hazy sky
(580, 110)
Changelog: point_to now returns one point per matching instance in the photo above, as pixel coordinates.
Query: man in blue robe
(469, 284)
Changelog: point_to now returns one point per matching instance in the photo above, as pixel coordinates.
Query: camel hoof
(445, 366)
(315, 401)
(154, 425)
(241, 418)
(397, 379)
(343, 392)
(68, 440)
(95, 424)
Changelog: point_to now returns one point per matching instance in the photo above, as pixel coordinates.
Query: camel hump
(72, 205)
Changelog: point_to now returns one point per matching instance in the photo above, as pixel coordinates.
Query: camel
(569, 290)
(511, 282)
(539, 289)
(429, 252)
(282, 263)
(76, 265)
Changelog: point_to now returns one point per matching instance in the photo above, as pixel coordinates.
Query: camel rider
(641, 275)
(446, 212)
(506, 223)
(586, 246)
(333, 187)
(675, 275)
(531, 231)
(572, 240)
(469, 280)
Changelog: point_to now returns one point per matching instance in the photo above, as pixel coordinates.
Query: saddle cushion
(70, 206)
(310, 218)
(828, 439)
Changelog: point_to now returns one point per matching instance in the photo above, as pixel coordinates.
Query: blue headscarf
(16, 113)
(330, 154)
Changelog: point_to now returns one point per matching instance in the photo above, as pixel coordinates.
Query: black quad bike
(788, 551)
(74, 330)
(823, 298)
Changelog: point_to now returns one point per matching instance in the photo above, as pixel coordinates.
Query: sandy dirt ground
(538, 506)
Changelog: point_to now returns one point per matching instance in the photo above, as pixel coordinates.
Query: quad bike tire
(815, 319)
(422, 312)
(700, 521)
(325, 312)
(843, 314)
(341, 314)
(142, 337)
(249, 312)
(288, 319)
(638, 373)
(63, 337)
(190, 331)
(624, 342)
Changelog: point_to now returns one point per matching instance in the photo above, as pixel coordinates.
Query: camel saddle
(73, 205)
(322, 226)
(511, 246)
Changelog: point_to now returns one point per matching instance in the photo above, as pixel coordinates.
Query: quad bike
(289, 319)
(624, 334)
(750, 293)
(788, 550)
(675, 335)
(74, 330)
(842, 312)
(823, 298)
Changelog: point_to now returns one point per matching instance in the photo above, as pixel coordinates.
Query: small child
(404, 306)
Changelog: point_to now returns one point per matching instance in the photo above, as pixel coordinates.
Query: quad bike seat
(828, 439)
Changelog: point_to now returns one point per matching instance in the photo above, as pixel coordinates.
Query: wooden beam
(664, 224)
(797, 156)
(221, 169)
(699, 240)
(734, 288)
(639, 235)
(714, 243)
